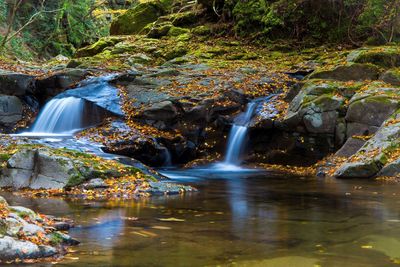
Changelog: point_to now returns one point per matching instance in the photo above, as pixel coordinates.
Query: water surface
(238, 219)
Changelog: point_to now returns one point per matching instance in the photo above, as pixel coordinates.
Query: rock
(352, 72)
(11, 110)
(16, 84)
(39, 169)
(57, 83)
(11, 249)
(317, 122)
(95, 184)
(376, 153)
(98, 46)
(384, 56)
(162, 111)
(366, 169)
(135, 19)
(373, 110)
(391, 170)
(24, 212)
(392, 77)
(360, 129)
(176, 31)
(164, 188)
(351, 146)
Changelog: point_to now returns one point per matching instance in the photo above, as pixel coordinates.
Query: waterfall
(238, 134)
(60, 116)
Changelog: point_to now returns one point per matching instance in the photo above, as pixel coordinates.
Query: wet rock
(391, 170)
(165, 188)
(352, 72)
(163, 111)
(95, 184)
(11, 110)
(57, 83)
(16, 84)
(11, 249)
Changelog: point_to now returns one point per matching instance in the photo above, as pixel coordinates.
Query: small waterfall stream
(236, 143)
(78, 108)
(60, 116)
(237, 135)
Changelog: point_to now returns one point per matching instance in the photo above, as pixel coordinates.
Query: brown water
(239, 220)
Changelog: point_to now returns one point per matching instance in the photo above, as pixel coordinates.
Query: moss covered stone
(351, 72)
(385, 56)
(137, 18)
(98, 46)
(176, 31)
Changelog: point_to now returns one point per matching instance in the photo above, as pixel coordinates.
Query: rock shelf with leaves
(26, 236)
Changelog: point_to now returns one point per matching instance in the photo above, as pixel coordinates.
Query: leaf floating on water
(172, 219)
(151, 234)
(161, 227)
(130, 218)
(139, 233)
(366, 247)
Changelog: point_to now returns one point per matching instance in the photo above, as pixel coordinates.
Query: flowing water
(60, 116)
(256, 219)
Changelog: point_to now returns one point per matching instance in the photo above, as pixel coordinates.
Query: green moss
(202, 30)
(176, 31)
(386, 56)
(98, 47)
(138, 17)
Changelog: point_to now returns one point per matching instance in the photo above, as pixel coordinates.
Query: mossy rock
(177, 51)
(386, 56)
(158, 30)
(137, 18)
(98, 47)
(202, 30)
(351, 72)
(392, 76)
(183, 18)
(176, 31)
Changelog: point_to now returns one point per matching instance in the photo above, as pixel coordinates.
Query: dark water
(248, 219)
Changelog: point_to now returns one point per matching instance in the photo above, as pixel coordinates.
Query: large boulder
(391, 76)
(386, 56)
(351, 72)
(98, 46)
(372, 110)
(378, 155)
(40, 169)
(17, 84)
(136, 18)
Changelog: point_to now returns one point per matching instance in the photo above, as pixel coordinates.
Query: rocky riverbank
(26, 236)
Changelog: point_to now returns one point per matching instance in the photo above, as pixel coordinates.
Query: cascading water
(238, 135)
(60, 116)
(77, 108)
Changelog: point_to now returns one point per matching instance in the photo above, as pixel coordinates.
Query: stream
(239, 216)
(237, 219)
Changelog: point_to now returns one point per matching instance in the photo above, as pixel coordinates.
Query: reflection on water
(242, 219)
